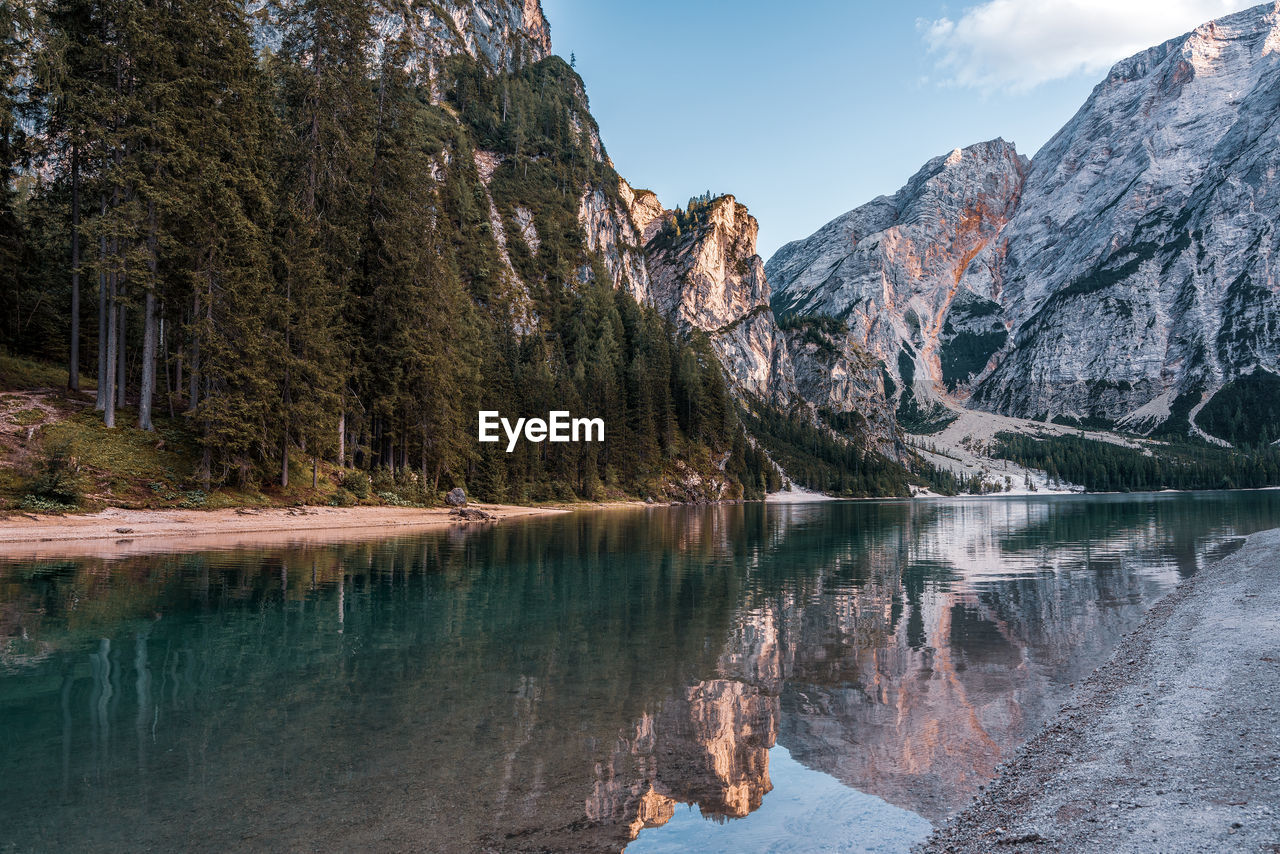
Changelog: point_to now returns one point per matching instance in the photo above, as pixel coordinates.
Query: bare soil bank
(1173, 746)
(118, 532)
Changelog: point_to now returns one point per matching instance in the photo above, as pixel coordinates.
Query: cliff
(709, 277)
(1138, 278)
(891, 269)
(1124, 275)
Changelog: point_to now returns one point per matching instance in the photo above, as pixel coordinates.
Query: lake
(808, 677)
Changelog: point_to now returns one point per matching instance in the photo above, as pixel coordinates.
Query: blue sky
(808, 109)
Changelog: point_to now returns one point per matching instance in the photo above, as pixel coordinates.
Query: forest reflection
(564, 683)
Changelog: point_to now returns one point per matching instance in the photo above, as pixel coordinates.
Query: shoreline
(118, 532)
(123, 532)
(1169, 746)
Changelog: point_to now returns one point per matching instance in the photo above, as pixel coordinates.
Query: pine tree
(324, 160)
(217, 211)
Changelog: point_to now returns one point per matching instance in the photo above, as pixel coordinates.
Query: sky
(805, 110)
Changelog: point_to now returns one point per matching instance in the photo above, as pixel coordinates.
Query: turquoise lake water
(799, 678)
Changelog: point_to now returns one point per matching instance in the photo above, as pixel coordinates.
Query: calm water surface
(830, 677)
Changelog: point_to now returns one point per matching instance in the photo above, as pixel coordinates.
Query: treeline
(686, 220)
(1104, 467)
(291, 251)
(823, 460)
(1246, 411)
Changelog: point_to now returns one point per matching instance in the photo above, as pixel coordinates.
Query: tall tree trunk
(424, 455)
(315, 472)
(147, 391)
(108, 373)
(342, 438)
(193, 396)
(168, 376)
(103, 363)
(284, 459)
(73, 359)
(148, 362)
(121, 348)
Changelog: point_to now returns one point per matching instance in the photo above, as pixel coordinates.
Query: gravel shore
(1173, 746)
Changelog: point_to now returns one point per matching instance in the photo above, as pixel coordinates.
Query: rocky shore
(1174, 745)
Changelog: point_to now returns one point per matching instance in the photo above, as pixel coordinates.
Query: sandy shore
(1172, 746)
(116, 533)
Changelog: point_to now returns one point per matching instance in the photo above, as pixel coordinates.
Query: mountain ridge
(1097, 270)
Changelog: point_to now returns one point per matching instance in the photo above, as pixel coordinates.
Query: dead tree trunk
(103, 362)
(73, 358)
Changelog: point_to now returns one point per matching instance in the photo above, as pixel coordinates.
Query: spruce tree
(323, 164)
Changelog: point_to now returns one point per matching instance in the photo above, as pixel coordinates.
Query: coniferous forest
(267, 238)
(284, 252)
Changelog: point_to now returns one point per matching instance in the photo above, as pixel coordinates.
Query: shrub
(356, 483)
(193, 499)
(383, 480)
(57, 477)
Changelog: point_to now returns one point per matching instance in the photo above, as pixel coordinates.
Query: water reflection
(569, 684)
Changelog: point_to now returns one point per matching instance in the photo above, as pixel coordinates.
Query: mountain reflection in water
(567, 683)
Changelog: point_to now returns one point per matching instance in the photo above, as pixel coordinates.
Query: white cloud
(1019, 44)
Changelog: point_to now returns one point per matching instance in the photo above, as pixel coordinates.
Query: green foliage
(23, 373)
(1106, 467)
(922, 420)
(818, 329)
(57, 476)
(356, 483)
(946, 482)
(683, 222)
(819, 459)
(35, 504)
(966, 353)
(1245, 412)
(314, 244)
(824, 323)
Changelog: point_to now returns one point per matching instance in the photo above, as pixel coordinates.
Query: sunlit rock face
(712, 279)
(892, 268)
(1125, 274)
(502, 34)
(1140, 262)
(608, 223)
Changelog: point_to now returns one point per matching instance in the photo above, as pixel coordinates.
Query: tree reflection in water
(564, 683)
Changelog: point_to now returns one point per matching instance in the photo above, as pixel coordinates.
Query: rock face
(1140, 262)
(891, 269)
(503, 34)
(610, 231)
(1125, 274)
(834, 373)
(711, 278)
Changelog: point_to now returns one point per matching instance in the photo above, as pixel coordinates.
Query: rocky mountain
(703, 273)
(1124, 275)
(1139, 273)
(504, 35)
(890, 270)
(709, 277)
